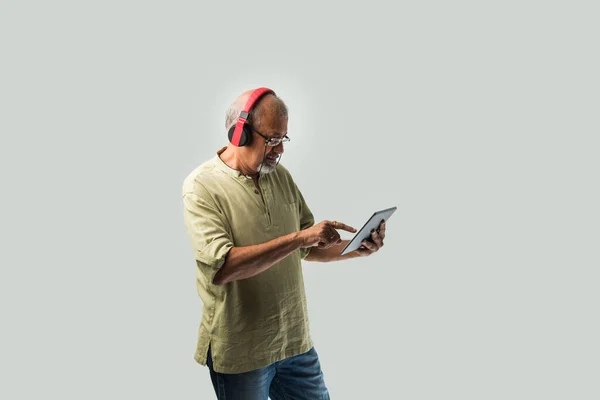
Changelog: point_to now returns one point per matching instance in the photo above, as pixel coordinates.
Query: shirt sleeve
(208, 231)
(306, 220)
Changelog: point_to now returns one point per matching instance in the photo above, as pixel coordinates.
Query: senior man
(250, 227)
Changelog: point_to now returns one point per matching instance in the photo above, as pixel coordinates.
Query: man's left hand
(372, 246)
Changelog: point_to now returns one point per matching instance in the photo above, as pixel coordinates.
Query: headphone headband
(239, 126)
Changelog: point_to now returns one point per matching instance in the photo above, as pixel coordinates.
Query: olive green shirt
(249, 323)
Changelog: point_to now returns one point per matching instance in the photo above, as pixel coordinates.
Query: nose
(278, 149)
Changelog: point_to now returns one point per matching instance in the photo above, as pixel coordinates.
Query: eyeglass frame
(269, 141)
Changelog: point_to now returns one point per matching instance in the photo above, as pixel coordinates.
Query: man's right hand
(324, 234)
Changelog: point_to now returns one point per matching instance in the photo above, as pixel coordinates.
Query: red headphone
(240, 133)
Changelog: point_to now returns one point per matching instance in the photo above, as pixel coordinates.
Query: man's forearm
(244, 262)
(330, 254)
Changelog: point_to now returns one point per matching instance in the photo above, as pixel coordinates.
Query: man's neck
(229, 158)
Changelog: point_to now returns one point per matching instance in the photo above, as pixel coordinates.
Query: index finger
(339, 225)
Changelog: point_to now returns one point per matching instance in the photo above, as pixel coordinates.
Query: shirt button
(256, 191)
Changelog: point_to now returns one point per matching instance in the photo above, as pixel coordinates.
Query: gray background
(478, 120)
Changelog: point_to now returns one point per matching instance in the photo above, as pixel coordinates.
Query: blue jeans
(295, 378)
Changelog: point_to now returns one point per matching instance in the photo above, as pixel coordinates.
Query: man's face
(267, 157)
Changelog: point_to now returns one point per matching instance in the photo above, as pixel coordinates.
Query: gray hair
(233, 112)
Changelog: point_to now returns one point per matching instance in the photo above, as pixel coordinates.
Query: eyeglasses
(271, 142)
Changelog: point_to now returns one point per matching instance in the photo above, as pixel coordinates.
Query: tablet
(365, 231)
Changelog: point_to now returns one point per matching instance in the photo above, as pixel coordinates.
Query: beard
(266, 167)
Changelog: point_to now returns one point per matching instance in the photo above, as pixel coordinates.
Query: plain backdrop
(478, 120)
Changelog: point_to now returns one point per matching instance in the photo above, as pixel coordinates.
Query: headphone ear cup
(244, 137)
(230, 133)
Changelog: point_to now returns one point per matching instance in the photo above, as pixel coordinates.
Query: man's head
(267, 121)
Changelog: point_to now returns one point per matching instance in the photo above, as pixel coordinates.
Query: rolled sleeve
(208, 231)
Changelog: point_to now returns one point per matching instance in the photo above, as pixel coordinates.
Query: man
(250, 228)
